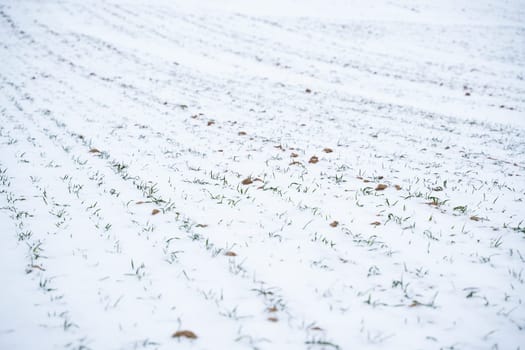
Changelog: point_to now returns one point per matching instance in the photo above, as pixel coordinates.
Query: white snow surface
(292, 174)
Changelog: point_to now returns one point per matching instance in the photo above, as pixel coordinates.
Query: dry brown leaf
(381, 187)
(313, 160)
(272, 309)
(328, 150)
(295, 163)
(316, 328)
(273, 319)
(247, 181)
(139, 202)
(397, 187)
(375, 223)
(334, 223)
(155, 212)
(201, 225)
(242, 133)
(185, 334)
(38, 267)
(94, 150)
(294, 155)
(230, 253)
(211, 122)
(475, 218)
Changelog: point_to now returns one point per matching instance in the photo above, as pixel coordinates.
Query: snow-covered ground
(299, 174)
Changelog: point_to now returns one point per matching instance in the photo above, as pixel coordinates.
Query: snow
(157, 174)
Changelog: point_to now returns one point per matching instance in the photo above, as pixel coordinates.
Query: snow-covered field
(262, 175)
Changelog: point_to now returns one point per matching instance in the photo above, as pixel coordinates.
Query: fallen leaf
(201, 225)
(381, 187)
(294, 155)
(139, 202)
(242, 133)
(316, 328)
(94, 150)
(397, 187)
(328, 150)
(211, 122)
(247, 181)
(155, 212)
(230, 253)
(313, 160)
(334, 223)
(272, 309)
(38, 267)
(273, 319)
(475, 218)
(375, 223)
(185, 334)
